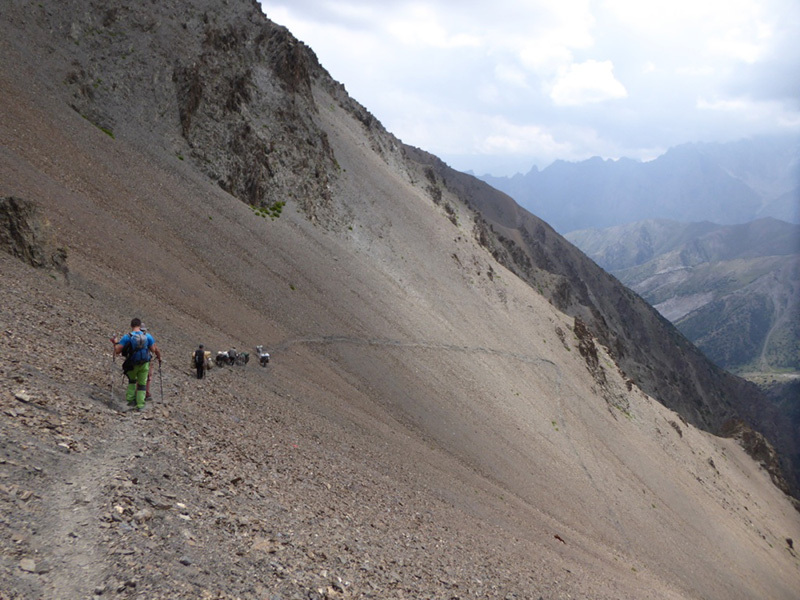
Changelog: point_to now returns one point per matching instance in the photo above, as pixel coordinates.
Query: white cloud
(586, 83)
(576, 77)
(698, 70)
(665, 18)
(771, 115)
(507, 138)
(512, 75)
(544, 55)
(737, 105)
(701, 29)
(746, 46)
(422, 25)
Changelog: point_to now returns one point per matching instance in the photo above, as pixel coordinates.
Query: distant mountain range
(732, 290)
(728, 183)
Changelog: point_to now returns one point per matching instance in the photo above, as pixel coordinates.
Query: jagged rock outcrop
(232, 94)
(241, 130)
(757, 446)
(26, 234)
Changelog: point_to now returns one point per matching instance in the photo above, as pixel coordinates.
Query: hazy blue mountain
(723, 183)
(733, 290)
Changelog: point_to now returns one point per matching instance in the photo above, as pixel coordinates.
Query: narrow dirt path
(77, 509)
(341, 339)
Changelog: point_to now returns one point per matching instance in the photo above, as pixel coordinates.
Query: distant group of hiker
(139, 347)
(201, 359)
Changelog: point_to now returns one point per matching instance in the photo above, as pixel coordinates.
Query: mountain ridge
(631, 245)
(728, 183)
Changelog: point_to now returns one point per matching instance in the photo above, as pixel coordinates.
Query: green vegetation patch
(271, 211)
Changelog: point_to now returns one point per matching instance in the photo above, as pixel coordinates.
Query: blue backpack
(136, 349)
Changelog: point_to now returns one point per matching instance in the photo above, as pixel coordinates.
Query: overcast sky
(497, 87)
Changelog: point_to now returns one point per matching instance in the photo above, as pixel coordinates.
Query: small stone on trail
(28, 564)
(131, 583)
(267, 546)
(23, 396)
(143, 515)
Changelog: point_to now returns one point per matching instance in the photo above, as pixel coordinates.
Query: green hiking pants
(137, 385)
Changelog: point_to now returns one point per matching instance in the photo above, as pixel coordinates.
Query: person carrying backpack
(200, 361)
(138, 347)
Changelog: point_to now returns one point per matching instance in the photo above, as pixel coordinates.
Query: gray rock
(28, 565)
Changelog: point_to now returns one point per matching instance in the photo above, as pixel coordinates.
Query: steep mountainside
(723, 183)
(431, 424)
(647, 348)
(732, 290)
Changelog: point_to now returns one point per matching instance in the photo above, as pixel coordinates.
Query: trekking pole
(161, 382)
(113, 367)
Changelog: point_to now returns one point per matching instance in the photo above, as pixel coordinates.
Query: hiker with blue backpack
(138, 348)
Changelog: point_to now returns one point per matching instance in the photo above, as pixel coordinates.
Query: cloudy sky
(498, 87)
